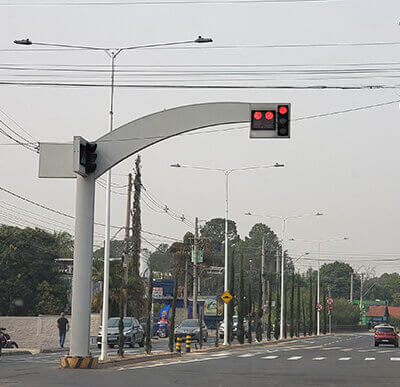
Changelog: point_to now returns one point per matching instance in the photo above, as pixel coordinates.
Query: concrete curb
(54, 350)
(15, 353)
(170, 355)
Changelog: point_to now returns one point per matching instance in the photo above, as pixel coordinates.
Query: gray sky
(344, 165)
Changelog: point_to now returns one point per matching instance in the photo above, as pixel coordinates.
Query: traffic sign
(330, 307)
(226, 297)
(329, 301)
(319, 307)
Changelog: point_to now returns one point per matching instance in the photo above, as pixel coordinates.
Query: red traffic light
(283, 110)
(269, 115)
(257, 115)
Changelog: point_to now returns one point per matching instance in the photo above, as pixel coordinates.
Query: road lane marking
(166, 364)
(248, 355)
(344, 358)
(319, 358)
(295, 358)
(221, 354)
(269, 357)
(346, 349)
(330, 348)
(395, 358)
(369, 358)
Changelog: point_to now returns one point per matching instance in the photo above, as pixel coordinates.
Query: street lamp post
(112, 53)
(284, 219)
(320, 242)
(227, 173)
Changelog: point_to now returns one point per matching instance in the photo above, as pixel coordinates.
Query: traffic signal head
(270, 120)
(84, 156)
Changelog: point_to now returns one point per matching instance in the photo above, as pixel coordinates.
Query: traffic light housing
(270, 120)
(84, 156)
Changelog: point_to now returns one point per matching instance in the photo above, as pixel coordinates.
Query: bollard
(178, 344)
(188, 342)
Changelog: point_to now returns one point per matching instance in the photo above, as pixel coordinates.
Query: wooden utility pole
(126, 240)
(185, 289)
(196, 235)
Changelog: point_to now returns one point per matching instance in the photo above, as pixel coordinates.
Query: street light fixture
(112, 53)
(284, 219)
(227, 173)
(320, 242)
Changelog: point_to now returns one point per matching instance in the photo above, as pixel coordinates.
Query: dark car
(133, 332)
(143, 321)
(385, 334)
(191, 327)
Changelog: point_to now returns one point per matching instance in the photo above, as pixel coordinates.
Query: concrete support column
(82, 275)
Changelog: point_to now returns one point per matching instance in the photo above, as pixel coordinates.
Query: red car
(386, 334)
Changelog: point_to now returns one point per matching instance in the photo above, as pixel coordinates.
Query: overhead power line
(154, 2)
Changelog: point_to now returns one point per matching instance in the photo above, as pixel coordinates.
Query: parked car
(385, 334)
(142, 322)
(133, 332)
(191, 327)
(235, 326)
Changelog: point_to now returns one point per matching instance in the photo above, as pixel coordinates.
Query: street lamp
(320, 242)
(112, 53)
(284, 219)
(227, 173)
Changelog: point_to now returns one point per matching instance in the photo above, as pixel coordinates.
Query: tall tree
(277, 312)
(240, 328)
(310, 305)
(292, 306)
(231, 305)
(324, 311)
(250, 309)
(298, 314)
(171, 337)
(315, 305)
(304, 318)
(149, 320)
(136, 218)
(259, 311)
(269, 322)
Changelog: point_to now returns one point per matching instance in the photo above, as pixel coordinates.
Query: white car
(235, 325)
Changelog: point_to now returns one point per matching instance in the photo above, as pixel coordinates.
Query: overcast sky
(345, 166)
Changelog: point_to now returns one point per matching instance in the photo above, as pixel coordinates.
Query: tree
(269, 321)
(171, 337)
(277, 312)
(250, 310)
(298, 314)
(338, 275)
(292, 306)
(32, 280)
(345, 313)
(214, 230)
(259, 311)
(324, 311)
(231, 305)
(149, 316)
(310, 306)
(315, 306)
(304, 319)
(121, 339)
(240, 328)
(136, 218)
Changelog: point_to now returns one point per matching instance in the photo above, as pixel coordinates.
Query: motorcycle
(162, 329)
(5, 340)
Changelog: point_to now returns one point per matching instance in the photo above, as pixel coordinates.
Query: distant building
(376, 314)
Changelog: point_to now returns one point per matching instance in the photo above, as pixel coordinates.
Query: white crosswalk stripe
(269, 357)
(369, 358)
(319, 358)
(395, 358)
(295, 358)
(344, 358)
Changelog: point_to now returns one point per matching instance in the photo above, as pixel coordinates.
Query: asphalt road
(340, 360)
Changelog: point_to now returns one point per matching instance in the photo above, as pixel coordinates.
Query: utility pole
(263, 281)
(126, 247)
(196, 235)
(351, 288)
